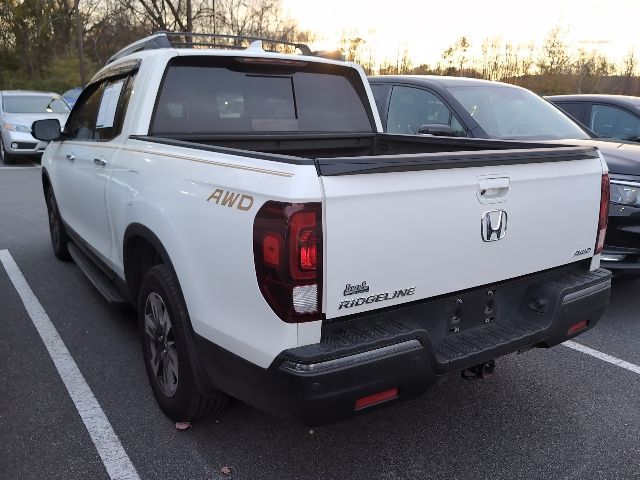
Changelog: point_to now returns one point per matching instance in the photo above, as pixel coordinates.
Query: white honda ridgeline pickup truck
(280, 249)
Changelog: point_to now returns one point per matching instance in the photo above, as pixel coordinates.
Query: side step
(96, 277)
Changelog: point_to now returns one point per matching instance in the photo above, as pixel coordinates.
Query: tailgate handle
(493, 190)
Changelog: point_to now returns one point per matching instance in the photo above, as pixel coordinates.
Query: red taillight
(604, 213)
(272, 250)
(376, 398)
(577, 327)
(308, 251)
(287, 249)
(303, 247)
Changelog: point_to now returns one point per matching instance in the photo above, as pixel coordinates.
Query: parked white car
(281, 249)
(18, 110)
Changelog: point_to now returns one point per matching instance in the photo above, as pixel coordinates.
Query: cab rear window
(213, 95)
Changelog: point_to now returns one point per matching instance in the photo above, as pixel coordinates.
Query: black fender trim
(203, 382)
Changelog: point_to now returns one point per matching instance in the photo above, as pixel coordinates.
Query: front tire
(4, 156)
(59, 237)
(163, 318)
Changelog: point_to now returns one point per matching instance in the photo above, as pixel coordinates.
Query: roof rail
(211, 40)
(152, 42)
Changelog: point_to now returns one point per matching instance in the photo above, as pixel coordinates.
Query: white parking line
(603, 356)
(113, 455)
(22, 167)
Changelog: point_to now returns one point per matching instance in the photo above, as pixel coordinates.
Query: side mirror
(437, 129)
(46, 130)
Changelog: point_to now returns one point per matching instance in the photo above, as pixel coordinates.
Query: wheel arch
(46, 181)
(141, 240)
(135, 235)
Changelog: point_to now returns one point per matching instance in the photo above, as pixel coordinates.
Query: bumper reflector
(305, 299)
(376, 398)
(577, 327)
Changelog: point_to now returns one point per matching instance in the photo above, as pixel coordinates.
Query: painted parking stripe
(21, 167)
(113, 455)
(603, 356)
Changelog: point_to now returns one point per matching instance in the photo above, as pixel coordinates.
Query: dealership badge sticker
(354, 289)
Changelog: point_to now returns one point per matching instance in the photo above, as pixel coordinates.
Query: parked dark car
(468, 107)
(609, 116)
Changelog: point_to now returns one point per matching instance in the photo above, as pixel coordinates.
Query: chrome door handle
(99, 162)
(71, 156)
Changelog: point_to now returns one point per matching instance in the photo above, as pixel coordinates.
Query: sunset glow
(427, 28)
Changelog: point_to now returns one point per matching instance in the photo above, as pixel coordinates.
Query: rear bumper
(409, 348)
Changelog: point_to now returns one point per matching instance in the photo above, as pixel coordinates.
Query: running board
(96, 277)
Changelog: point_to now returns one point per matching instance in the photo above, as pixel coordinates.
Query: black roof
(435, 80)
(622, 100)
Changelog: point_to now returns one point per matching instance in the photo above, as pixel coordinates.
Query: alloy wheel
(162, 351)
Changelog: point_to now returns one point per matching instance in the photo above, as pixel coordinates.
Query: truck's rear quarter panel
(166, 189)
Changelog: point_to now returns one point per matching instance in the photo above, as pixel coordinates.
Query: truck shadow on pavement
(540, 416)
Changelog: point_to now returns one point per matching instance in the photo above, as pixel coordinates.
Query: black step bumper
(403, 351)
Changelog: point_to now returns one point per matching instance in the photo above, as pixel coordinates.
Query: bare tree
(629, 64)
(554, 56)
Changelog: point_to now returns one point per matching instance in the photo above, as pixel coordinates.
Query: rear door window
(209, 96)
(81, 125)
(100, 110)
(613, 122)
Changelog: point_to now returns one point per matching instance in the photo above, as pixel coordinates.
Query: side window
(108, 108)
(82, 122)
(100, 110)
(576, 110)
(458, 129)
(410, 108)
(380, 96)
(612, 122)
(124, 102)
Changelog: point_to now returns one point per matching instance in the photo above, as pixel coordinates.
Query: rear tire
(163, 319)
(59, 237)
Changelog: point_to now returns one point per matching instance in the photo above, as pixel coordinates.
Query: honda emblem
(494, 225)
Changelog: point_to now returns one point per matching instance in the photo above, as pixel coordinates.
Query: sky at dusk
(429, 27)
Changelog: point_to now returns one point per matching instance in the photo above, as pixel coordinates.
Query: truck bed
(332, 152)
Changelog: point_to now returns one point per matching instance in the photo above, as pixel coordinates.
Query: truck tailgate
(402, 236)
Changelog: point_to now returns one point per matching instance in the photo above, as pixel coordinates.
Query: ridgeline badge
(353, 289)
(381, 297)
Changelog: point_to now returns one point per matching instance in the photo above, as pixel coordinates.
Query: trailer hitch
(478, 372)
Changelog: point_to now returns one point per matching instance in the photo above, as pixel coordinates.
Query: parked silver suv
(18, 110)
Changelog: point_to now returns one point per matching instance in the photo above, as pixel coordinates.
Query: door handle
(71, 156)
(493, 189)
(99, 162)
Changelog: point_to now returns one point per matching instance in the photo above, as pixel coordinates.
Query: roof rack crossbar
(304, 49)
(164, 39)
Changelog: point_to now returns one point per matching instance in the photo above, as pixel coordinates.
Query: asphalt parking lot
(546, 414)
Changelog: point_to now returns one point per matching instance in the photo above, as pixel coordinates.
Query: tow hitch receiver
(478, 372)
